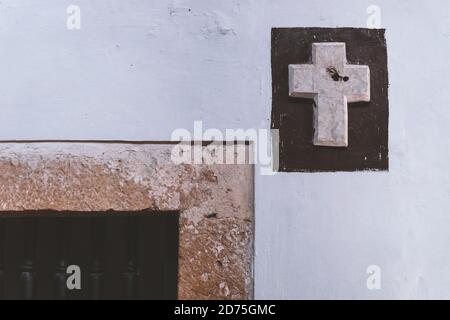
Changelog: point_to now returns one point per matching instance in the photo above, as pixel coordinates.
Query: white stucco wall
(139, 69)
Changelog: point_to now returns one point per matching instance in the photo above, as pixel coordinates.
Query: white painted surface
(139, 69)
(330, 95)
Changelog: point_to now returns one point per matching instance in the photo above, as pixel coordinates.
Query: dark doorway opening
(120, 255)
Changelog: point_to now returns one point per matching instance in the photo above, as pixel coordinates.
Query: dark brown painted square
(368, 121)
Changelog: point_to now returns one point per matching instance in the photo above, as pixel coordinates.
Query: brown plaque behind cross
(367, 121)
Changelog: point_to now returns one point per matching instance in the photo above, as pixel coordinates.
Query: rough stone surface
(215, 202)
(332, 83)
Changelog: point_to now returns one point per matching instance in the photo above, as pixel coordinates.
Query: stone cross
(332, 83)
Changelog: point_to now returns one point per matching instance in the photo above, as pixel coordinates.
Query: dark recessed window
(120, 255)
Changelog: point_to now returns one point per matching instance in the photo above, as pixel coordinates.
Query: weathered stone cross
(332, 83)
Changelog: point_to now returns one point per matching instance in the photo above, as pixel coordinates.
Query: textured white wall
(138, 69)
